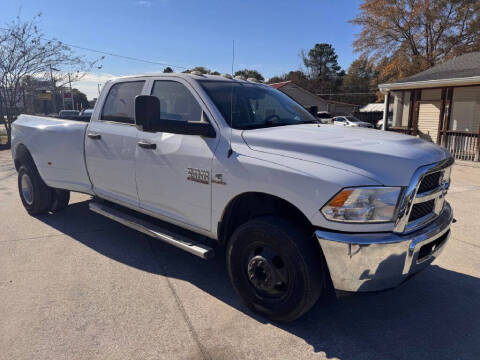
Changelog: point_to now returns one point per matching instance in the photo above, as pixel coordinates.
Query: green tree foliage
(322, 67)
(168, 69)
(250, 74)
(298, 77)
(203, 70)
(276, 79)
(359, 82)
(321, 61)
(80, 99)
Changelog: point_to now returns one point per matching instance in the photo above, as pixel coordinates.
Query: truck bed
(57, 147)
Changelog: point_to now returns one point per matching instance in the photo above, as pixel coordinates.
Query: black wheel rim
(268, 272)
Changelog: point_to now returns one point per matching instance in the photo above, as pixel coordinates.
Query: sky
(268, 35)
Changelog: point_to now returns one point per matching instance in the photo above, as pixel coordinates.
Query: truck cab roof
(203, 77)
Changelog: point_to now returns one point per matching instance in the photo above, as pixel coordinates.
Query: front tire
(36, 196)
(275, 268)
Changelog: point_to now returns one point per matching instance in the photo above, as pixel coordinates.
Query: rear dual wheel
(275, 268)
(60, 200)
(36, 196)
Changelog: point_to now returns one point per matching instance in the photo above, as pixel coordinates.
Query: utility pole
(98, 87)
(2, 119)
(54, 89)
(71, 93)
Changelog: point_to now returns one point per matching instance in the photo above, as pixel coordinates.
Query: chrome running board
(182, 242)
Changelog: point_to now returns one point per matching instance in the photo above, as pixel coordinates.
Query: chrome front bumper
(377, 261)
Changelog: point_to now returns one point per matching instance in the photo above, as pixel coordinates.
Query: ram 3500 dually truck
(298, 205)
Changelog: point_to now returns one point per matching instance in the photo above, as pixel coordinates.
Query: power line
(125, 57)
(112, 54)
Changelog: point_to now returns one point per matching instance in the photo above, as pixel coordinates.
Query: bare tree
(26, 53)
(408, 36)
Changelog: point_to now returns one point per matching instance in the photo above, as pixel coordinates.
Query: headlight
(367, 204)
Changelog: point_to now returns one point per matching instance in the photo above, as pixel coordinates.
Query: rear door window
(120, 103)
(176, 101)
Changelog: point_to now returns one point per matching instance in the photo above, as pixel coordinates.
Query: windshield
(353, 119)
(255, 106)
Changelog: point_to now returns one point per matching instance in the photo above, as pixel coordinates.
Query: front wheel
(275, 268)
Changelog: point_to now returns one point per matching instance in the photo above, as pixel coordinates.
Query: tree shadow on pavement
(435, 315)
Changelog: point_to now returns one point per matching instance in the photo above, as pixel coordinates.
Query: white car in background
(67, 113)
(350, 121)
(86, 112)
(379, 123)
(325, 117)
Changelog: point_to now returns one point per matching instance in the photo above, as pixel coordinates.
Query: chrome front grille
(422, 209)
(430, 182)
(424, 198)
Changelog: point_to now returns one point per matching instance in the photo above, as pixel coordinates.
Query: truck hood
(385, 157)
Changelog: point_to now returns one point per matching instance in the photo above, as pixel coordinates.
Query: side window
(176, 101)
(120, 103)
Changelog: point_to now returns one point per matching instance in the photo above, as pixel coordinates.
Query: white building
(441, 104)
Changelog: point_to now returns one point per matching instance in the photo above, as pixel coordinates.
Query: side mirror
(313, 110)
(147, 118)
(147, 112)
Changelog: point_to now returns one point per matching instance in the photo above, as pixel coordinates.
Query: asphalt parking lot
(75, 285)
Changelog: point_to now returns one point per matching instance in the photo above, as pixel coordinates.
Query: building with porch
(441, 104)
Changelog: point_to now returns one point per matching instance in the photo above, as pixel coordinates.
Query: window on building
(465, 115)
(401, 108)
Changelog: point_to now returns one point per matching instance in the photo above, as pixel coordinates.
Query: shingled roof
(459, 69)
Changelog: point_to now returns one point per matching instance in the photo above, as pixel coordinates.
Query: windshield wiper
(265, 125)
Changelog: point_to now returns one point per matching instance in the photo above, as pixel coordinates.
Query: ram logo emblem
(198, 175)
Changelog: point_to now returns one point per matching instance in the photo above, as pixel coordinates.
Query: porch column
(385, 111)
(446, 116)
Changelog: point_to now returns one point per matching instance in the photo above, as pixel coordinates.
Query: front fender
(305, 185)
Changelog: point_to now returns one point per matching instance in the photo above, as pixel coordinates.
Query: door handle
(147, 145)
(94, 136)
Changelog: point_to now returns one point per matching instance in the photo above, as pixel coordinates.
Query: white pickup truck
(298, 205)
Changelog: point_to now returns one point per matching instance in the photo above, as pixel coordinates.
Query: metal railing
(463, 145)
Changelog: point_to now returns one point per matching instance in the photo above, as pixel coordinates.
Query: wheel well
(253, 204)
(23, 156)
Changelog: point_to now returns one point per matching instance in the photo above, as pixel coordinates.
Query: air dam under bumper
(377, 261)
